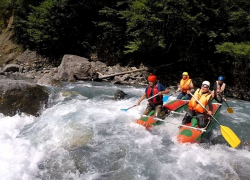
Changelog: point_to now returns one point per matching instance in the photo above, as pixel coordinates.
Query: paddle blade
(230, 136)
(128, 108)
(165, 98)
(230, 110)
(124, 110)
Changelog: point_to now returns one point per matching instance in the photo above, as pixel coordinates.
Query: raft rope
(173, 112)
(158, 119)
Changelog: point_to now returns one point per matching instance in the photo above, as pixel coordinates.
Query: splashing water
(84, 135)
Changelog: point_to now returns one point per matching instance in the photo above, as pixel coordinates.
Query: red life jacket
(151, 92)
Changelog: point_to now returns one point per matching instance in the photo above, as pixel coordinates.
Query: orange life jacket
(184, 84)
(151, 92)
(203, 98)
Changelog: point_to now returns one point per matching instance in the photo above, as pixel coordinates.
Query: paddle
(165, 98)
(135, 105)
(226, 132)
(158, 119)
(229, 109)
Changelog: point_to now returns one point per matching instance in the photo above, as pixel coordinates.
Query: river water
(83, 134)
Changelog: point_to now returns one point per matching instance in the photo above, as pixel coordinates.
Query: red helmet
(152, 78)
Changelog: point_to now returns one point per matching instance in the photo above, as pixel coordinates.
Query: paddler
(219, 88)
(152, 89)
(185, 86)
(195, 109)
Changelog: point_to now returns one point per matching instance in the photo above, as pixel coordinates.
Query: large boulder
(73, 68)
(17, 96)
(31, 60)
(99, 66)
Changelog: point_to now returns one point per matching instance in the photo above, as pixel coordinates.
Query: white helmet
(206, 83)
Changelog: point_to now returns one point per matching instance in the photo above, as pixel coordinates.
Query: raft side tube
(188, 135)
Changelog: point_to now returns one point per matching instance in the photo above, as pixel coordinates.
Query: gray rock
(47, 80)
(12, 68)
(99, 66)
(119, 94)
(1, 71)
(29, 75)
(3, 77)
(73, 68)
(21, 96)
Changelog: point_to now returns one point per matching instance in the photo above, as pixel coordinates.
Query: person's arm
(191, 86)
(212, 94)
(166, 91)
(221, 93)
(162, 89)
(210, 107)
(140, 100)
(215, 86)
(223, 88)
(179, 88)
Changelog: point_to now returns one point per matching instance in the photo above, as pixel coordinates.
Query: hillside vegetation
(207, 38)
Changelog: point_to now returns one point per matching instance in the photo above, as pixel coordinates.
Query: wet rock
(119, 94)
(17, 96)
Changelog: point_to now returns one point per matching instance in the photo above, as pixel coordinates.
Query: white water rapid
(83, 135)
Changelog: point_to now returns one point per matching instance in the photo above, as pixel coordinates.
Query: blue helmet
(220, 78)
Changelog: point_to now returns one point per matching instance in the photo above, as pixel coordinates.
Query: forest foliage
(191, 33)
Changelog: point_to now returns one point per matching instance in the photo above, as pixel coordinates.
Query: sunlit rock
(69, 93)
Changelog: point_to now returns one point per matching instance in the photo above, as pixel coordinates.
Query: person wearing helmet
(185, 86)
(195, 109)
(156, 102)
(218, 90)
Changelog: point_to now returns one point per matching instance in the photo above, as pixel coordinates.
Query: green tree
(22, 10)
(240, 52)
(111, 37)
(56, 27)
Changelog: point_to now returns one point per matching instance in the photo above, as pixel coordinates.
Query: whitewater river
(83, 135)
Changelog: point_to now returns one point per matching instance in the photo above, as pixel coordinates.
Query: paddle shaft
(224, 99)
(150, 97)
(131, 107)
(229, 109)
(158, 119)
(226, 103)
(204, 108)
(135, 105)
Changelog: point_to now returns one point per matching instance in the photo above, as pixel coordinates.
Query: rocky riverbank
(33, 67)
(21, 84)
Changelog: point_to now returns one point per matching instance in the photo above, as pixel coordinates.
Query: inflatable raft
(194, 134)
(176, 106)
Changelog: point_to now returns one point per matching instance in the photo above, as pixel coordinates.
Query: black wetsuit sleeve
(210, 105)
(215, 86)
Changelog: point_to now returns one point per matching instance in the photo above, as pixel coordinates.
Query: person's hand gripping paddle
(226, 132)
